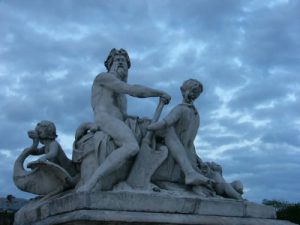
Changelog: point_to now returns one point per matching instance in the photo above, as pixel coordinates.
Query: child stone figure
(45, 133)
(222, 188)
(180, 129)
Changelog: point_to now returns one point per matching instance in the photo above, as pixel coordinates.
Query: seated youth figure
(180, 129)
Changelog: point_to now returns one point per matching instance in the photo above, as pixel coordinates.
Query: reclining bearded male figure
(110, 111)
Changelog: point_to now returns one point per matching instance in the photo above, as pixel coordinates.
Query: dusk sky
(246, 54)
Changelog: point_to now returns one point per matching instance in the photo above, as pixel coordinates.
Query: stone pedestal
(124, 208)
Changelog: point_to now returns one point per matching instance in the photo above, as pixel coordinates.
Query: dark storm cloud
(246, 54)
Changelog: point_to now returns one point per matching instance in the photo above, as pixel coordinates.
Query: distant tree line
(6, 218)
(285, 210)
(8, 207)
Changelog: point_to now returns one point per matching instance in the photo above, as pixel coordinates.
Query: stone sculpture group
(119, 154)
(111, 151)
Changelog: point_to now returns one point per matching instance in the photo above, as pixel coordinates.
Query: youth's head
(238, 186)
(191, 89)
(118, 61)
(46, 130)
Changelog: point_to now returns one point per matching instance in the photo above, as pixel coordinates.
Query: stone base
(116, 208)
(95, 217)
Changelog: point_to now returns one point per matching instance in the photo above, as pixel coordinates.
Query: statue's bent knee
(132, 149)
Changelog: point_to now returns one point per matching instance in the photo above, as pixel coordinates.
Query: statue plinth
(125, 207)
(131, 170)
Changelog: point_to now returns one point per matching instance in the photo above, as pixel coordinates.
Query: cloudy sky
(246, 54)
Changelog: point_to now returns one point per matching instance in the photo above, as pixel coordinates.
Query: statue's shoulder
(54, 147)
(186, 106)
(102, 77)
(54, 144)
(179, 107)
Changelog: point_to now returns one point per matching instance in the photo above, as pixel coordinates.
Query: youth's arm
(168, 121)
(38, 151)
(52, 151)
(35, 142)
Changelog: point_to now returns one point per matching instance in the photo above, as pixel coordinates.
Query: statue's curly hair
(191, 83)
(46, 130)
(112, 54)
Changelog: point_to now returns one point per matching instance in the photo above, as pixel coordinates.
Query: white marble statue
(180, 128)
(110, 111)
(127, 170)
(229, 190)
(53, 172)
(117, 148)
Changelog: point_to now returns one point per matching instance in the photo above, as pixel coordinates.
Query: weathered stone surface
(223, 208)
(162, 207)
(256, 210)
(95, 217)
(53, 172)
(127, 170)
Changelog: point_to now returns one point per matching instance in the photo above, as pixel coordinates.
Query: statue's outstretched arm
(121, 87)
(38, 151)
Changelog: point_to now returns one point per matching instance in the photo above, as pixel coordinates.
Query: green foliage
(291, 213)
(6, 218)
(285, 210)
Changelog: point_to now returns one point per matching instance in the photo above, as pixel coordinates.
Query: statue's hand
(165, 98)
(32, 164)
(32, 134)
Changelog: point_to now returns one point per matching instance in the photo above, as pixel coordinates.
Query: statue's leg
(226, 190)
(128, 147)
(178, 152)
(223, 188)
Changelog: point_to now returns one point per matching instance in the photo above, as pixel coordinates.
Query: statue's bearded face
(119, 65)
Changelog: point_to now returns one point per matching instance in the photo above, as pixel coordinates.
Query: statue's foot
(195, 178)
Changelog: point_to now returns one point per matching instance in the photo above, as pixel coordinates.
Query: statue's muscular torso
(106, 100)
(186, 120)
